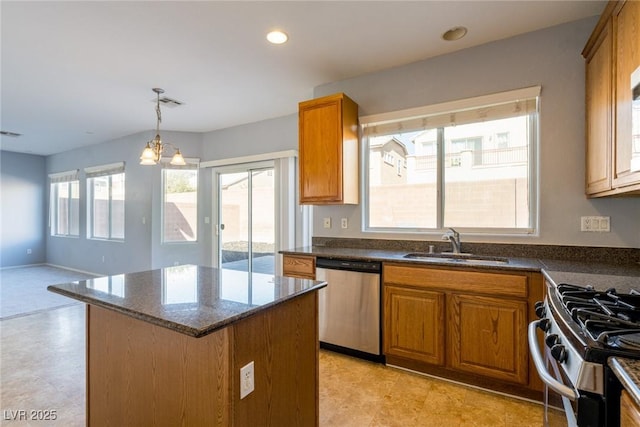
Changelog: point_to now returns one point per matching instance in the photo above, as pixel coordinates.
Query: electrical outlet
(246, 380)
(28, 251)
(345, 223)
(327, 222)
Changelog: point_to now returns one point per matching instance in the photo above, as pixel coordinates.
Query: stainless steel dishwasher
(349, 307)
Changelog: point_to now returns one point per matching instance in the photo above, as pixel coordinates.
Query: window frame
(453, 106)
(109, 171)
(68, 178)
(192, 164)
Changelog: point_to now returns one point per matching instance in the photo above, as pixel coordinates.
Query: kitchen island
(166, 347)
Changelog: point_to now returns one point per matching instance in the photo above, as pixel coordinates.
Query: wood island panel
(143, 374)
(140, 374)
(283, 344)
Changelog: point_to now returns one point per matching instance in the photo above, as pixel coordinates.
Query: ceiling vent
(11, 134)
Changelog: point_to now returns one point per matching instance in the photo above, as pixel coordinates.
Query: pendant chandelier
(153, 151)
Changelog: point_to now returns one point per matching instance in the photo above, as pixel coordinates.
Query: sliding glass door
(246, 218)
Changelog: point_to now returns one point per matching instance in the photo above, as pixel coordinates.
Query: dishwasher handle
(349, 265)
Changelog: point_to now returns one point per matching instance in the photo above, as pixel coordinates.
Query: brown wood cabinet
(488, 336)
(328, 149)
(469, 325)
(599, 109)
(300, 266)
(626, 21)
(612, 54)
(629, 411)
(414, 324)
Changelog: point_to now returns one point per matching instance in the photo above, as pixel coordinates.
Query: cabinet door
(626, 23)
(629, 411)
(599, 81)
(414, 324)
(321, 152)
(487, 336)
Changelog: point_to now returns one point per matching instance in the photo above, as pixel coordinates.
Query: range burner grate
(608, 317)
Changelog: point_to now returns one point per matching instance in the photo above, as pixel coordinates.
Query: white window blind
(484, 108)
(104, 170)
(72, 175)
(191, 163)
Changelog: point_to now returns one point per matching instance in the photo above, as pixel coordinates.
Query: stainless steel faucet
(454, 237)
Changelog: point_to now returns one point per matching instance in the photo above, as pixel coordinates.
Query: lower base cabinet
(488, 336)
(414, 326)
(629, 411)
(468, 325)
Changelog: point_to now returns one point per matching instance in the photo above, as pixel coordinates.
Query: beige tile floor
(42, 368)
(357, 393)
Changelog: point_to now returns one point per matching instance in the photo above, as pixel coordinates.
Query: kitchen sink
(462, 258)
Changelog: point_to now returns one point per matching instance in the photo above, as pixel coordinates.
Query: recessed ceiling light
(455, 33)
(277, 37)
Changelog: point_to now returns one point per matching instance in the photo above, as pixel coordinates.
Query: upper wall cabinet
(328, 146)
(612, 55)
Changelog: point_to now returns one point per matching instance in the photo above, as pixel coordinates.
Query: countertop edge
(620, 369)
(537, 265)
(177, 327)
(515, 264)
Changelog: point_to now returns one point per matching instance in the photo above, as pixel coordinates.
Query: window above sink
(469, 164)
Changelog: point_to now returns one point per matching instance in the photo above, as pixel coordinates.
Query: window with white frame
(64, 204)
(180, 203)
(105, 201)
(471, 165)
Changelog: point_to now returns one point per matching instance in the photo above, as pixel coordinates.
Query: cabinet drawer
(457, 280)
(299, 266)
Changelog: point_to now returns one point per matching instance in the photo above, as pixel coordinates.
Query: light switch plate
(595, 224)
(327, 222)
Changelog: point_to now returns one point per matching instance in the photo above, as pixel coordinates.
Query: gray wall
(141, 249)
(550, 58)
(267, 136)
(23, 211)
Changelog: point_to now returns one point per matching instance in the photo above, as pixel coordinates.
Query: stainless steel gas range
(583, 325)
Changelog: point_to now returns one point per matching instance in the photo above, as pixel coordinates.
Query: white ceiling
(80, 73)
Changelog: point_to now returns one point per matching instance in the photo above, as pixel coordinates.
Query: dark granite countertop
(514, 263)
(628, 372)
(600, 275)
(189, 299)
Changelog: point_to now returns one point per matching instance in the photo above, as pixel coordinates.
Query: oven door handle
(538, 361)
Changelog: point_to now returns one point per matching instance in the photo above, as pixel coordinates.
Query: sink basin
(462, 258)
